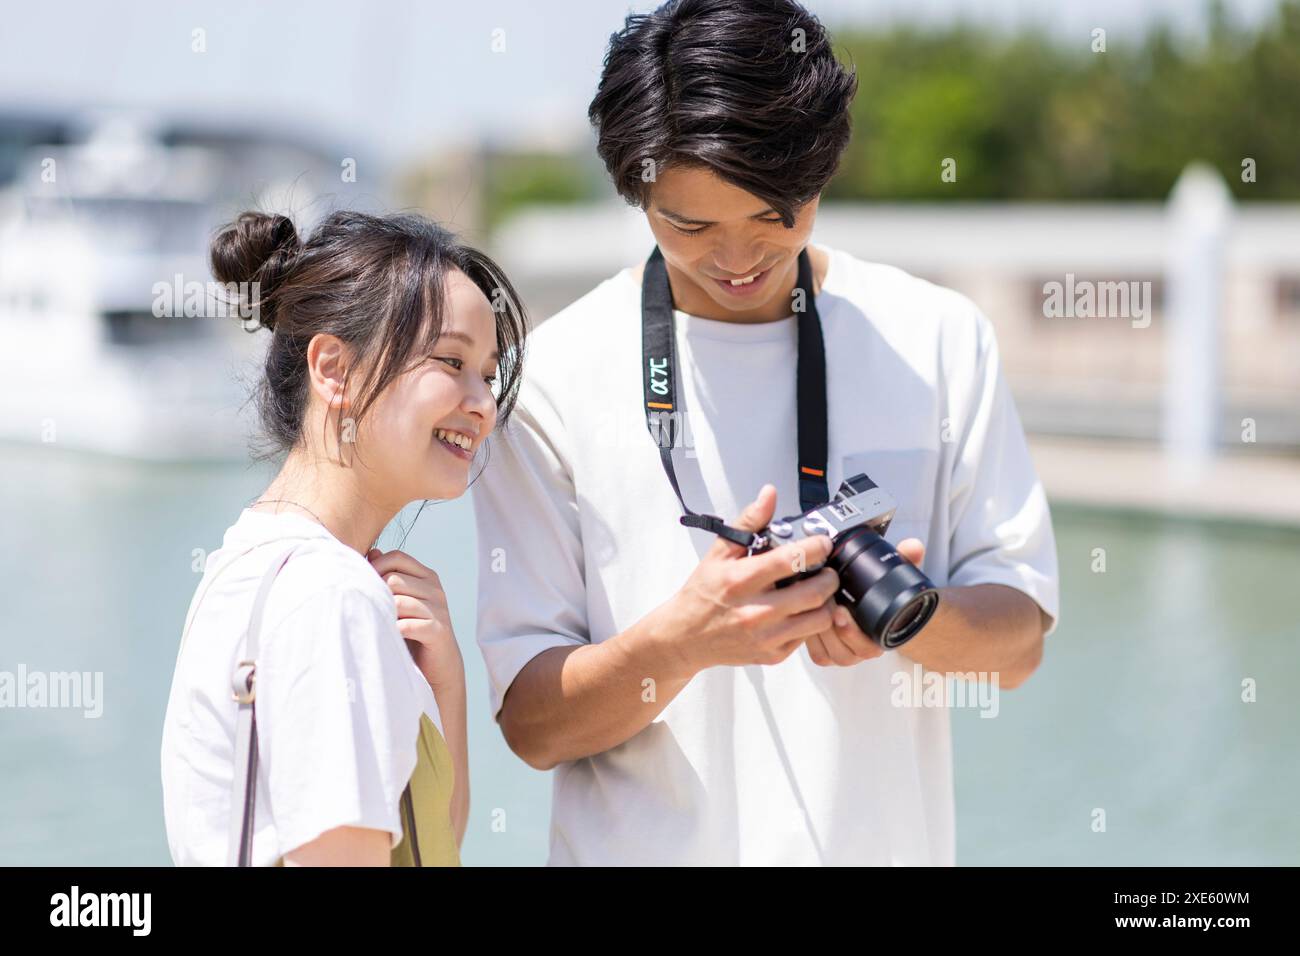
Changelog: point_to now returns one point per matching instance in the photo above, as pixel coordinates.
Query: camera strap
(659, 365)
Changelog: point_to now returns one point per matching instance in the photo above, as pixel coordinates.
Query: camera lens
(911, 619)
(890, 598)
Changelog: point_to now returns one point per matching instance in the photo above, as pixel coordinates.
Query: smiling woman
(395, 351)
(387, 288)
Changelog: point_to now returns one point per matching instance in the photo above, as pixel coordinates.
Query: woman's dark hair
(375, 282)
(748, 88)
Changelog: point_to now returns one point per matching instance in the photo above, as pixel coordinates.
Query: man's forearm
(572, 702)
(984, 627)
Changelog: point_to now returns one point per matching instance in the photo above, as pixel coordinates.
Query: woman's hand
(422, 616)
(423, 620)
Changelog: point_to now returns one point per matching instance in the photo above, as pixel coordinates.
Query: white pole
(1200, 208)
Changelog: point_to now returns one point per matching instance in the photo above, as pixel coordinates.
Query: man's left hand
(845, 644)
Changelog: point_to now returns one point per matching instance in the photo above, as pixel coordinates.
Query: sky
(398, 78)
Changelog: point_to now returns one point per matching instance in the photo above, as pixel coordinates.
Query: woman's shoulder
(328, 583)
(317, 561)
(327, 566)
(327, 609)
(322, 582)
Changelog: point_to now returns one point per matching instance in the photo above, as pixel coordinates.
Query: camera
(889, 597)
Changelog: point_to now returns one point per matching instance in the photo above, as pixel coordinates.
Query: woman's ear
(328, 361)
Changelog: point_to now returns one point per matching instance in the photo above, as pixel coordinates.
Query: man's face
(728, 253)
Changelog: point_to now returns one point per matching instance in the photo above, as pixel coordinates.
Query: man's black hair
(747, 88)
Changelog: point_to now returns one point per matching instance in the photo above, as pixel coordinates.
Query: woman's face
(419, 437)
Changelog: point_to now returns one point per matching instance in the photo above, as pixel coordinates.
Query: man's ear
(328, 361)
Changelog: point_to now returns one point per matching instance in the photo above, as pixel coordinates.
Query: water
(1137, 710)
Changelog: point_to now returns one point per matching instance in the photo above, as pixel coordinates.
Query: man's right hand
(730, 613)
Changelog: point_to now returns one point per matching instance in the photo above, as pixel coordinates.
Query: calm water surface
(1137, 710)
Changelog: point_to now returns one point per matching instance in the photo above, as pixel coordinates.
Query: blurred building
(1087, 376)
(114, 340)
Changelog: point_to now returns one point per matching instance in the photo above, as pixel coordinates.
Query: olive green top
(427, 835)
(425, 806)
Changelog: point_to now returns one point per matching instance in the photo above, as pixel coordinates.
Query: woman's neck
(331, 494)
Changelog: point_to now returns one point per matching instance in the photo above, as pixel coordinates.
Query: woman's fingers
(406, 576)
(420, 588)
(413, 608)
(387, 562)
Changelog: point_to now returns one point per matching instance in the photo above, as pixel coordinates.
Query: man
(694, 713)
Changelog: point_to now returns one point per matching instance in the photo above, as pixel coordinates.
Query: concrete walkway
(1254, 485)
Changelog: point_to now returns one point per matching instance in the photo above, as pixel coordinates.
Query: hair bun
(257, 247)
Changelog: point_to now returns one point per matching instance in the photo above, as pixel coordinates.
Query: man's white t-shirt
(339, 697)
(579, 538)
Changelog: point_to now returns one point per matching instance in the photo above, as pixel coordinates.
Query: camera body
(889, 597)
(859, 502)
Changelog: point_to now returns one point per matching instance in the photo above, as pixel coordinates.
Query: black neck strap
(659, 365)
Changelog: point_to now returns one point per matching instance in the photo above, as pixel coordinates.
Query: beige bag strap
(243, 790)
(194, 610)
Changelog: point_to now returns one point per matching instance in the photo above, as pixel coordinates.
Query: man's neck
(691, 299)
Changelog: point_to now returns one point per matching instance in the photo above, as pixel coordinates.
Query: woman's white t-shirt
(339, 697)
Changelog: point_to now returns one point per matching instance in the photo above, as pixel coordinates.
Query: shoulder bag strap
(243, 789)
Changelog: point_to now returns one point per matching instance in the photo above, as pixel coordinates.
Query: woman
(394, 352)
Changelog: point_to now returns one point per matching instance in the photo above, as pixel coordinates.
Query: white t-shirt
(579, 539)
(339, 697)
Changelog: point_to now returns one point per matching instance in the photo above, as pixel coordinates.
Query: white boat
(97, 242)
